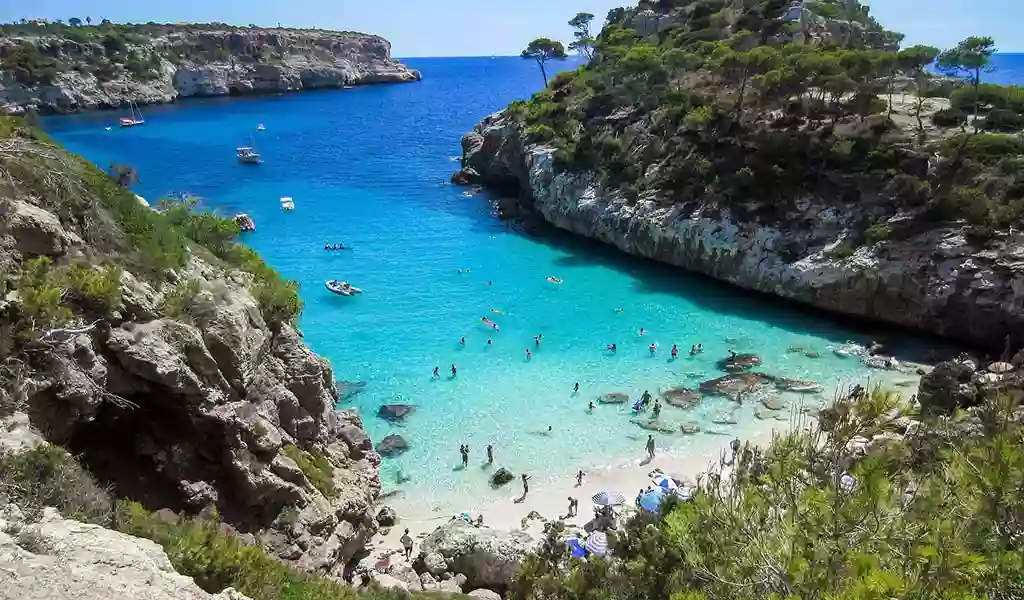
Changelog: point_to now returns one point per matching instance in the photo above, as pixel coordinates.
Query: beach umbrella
(664, 482)
(608, 499)
(576, 547)
(597, 543)
(1000, 367)
(651, 502)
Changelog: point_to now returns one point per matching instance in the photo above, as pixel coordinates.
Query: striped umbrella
(608, 499)
(664, 482)
(597, 543)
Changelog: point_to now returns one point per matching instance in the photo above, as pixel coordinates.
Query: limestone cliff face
(186, 62)
(208, 408)
(936, 281)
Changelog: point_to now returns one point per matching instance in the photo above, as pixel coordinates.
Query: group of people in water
(339, 246)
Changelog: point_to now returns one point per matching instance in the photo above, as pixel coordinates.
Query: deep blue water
(368, 167)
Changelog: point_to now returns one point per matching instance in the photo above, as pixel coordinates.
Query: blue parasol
(576, 547)
(651, 502)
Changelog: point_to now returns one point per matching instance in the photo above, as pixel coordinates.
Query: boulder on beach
(682, 397)
(489, 558)
(726, 419)
(395, 412)
(392, 445)
(653, 425)
(802, 386)
(773, 403)
(613, 398)
(739, 362)
(501, 477)
(689, 428)
(734, 386)
(386, 517)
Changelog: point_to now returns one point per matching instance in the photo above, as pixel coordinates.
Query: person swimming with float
(643, 331)
(612, 347)
(554, 280)
(497, 311)
(693, 350)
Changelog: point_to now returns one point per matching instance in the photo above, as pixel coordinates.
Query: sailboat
(135, 119)
(247, 155)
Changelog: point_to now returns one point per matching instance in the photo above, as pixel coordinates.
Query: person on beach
(526, 485)
(455, 371)
(464, 450)
(579, 477)
(574, 506)
(529, 354)
(490, 454)
(590, 407)
(576, 388)
(436, 373)
(639, 498)
(650, 446)
(675, 352)
(407, 544)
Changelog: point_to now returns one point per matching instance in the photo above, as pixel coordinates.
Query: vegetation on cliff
(756, 105)
(934, 511)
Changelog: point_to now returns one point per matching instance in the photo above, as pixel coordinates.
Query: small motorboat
(245, 222)
(287, 203)
(260, 127)
(342, 288)
(248, 156)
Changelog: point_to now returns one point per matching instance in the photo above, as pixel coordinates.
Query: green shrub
(48, 476)
(698, 118)
(99, 288)
(539, 133)
(843, 249)
(41, 293)
(971, 204)
(949, 117)
(877, 233)
(983, 147)
(315, 467)
(1001, 119)
(178, 302)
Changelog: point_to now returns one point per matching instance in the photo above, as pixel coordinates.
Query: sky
(501, 27)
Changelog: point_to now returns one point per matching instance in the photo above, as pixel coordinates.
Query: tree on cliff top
(584, 42)
(970, 58)
(542, 50)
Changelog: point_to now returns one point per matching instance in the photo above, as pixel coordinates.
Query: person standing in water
(590, 407)
(526, 485)
(652, 348)
(642, 332)
(576, 388)
(455, 371)
(529, 355)
(490, 454)
(650, 446)
(436, 374)
(675, 351)
(657, 410)
(464, 450)
(462, 340)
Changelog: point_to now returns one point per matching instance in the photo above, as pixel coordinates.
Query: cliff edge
(60, 69)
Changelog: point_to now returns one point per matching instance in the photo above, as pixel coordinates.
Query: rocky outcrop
(195, 60)
(937, 281)
(201, 410)
(60, 559)
(488, 558)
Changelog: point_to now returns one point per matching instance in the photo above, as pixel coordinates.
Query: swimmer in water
(675, 351)
(462, 340)
(497, 311)
(460, 271)
(529, 354)
(618, 310)
(436, 374)
(700, 348)
(693, 350)
(576, 388)
(495, 327)
(327, 246)
(590, 407)
(489, 282)
(643, 331)
(612, 347)
(454, 370)
(537, 339)
(489, 342)
(652, 348)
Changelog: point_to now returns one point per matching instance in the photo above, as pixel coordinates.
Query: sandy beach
(550, 497)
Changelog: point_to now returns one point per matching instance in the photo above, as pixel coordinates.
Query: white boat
(245, 222)
(248, 156)
(260, 127)
(342, 288)
(135, 119)
(287, 203)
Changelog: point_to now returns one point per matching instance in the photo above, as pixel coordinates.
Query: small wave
(455, 158)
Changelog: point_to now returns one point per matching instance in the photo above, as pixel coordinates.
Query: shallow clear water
(366, 166)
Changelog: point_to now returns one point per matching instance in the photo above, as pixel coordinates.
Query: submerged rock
(773, 403)
(682, 397)
(653, 425)
(613, 398)
(739, 362)
(395, 412)
(501, 477)
(689, 428)
(798, 385)
(736, 385)
(392, 446)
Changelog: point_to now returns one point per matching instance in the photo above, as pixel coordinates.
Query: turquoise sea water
(367, 167)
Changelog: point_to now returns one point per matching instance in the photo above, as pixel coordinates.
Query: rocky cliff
(179, 385)
(722, 143)
(63, 69)
(939, 280)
